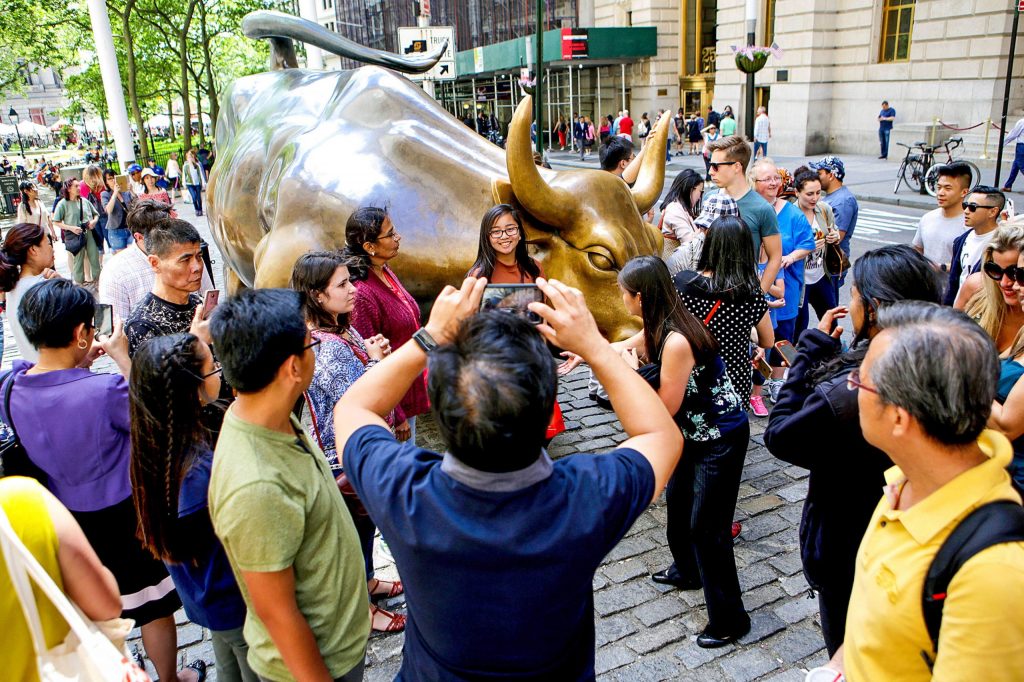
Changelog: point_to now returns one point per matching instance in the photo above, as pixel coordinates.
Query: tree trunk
(211, 90)
(183, 56)
(170, 118)
(199, 111)
(133, 96)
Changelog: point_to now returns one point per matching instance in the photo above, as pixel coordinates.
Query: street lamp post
(13, 115)
(751, 21)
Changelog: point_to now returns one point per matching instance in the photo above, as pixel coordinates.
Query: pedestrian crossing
(884, 227)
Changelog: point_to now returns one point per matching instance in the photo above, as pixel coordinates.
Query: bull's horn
(270, 24)
(548, 204)
(651, 179)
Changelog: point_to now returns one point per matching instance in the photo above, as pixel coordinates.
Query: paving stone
(382, 649)
(794, 493)
(795, 472)
(599, 581)
(761, 503)
(770, 482)
(643, 522)
(189, 634)
(766, 594)
(758, 454)
(385, 672)
(758, 469)
(658, 611)
(599, 444)
(748, 665)
(756, 575)
(791, 675)
(622, 571)
(795, 584)
(787, 564)
(612, 657)
(763, 624)
(648, 669)
(763, 526)
(797, 609)
(621, 597)
(596, 419)
(796, 642)
(747, 490)
(608, 630)
(630, 546)
(793, 514)
(815, 661)
(694, 656)
(652, 639)
(603, 431)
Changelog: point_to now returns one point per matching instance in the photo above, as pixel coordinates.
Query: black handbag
(836, 262)
(14, 459)
(74, 243)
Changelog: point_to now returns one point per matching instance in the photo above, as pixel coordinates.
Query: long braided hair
(168, 433)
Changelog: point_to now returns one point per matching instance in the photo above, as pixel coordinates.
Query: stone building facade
(930, 59)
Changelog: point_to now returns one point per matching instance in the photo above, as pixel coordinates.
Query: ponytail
(14, 252)
(365, 225)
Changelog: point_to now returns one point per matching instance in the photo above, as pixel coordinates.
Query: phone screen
(787, 351)
(512, 298)
(104, 320)
(210, 302)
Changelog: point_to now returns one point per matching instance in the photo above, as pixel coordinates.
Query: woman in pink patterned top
(383, 306)
(149, 180)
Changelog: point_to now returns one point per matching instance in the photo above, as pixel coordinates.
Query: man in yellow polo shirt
(925, 392)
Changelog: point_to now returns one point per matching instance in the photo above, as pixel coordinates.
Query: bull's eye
(601, 261)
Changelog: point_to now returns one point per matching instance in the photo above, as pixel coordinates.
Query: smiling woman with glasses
(991, 296)
(502, 256)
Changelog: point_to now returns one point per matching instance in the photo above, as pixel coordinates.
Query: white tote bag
(87, 654)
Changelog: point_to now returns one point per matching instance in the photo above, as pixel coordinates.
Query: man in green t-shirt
(729, 159)
(275, 505)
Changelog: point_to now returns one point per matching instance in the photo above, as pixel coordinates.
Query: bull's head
(586, 224)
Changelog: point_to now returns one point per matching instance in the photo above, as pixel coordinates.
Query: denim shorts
(119, 238)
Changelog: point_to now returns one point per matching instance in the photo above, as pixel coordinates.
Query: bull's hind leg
(233, 284)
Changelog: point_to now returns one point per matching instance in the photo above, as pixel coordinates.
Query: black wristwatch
(425, 340)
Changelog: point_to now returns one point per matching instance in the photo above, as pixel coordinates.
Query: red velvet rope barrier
(946, 125)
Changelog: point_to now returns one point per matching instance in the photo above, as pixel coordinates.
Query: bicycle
(920, 171)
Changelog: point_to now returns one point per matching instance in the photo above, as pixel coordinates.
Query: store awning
(589, 47)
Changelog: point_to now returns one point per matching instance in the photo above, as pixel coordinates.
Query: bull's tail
(282, 28)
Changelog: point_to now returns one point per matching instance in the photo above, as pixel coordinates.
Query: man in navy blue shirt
(832, 173)
(885, 120)
(496, 544)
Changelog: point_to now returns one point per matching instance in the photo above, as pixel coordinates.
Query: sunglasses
(853, 382)
(715, 165)
(972, 206)
(995, 272)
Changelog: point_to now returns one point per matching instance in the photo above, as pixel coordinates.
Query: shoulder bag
(14, 459)
(88, 653)
(74, 243)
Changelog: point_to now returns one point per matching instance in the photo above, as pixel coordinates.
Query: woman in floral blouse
(342, 356)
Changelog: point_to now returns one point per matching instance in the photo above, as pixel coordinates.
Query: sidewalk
(870, 179)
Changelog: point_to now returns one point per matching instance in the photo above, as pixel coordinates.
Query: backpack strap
(991, 524)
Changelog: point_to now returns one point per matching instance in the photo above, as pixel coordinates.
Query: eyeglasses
(507, 232)
(853, 382)
(216, 370)
(972, 206)
(312, 344)
(715, 165)
(773, 180)
(993, 270)
(390, 235)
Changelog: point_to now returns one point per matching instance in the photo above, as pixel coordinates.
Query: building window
(699, 39)
(897, 22)
(769, 22)
(37, 115)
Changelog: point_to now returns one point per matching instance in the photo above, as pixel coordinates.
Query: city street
(646, 632)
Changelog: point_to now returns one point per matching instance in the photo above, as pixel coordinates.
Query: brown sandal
(396, 621)
(396, 589)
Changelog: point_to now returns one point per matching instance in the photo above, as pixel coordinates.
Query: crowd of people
(245, 455)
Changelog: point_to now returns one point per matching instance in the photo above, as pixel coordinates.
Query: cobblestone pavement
(645, 632)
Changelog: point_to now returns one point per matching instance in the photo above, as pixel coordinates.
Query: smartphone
(104, 320)
(764, 368)
(787, 351)
(512, 298)
(210, 301)
(122, 182)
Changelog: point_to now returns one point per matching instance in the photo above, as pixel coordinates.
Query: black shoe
(670, 576)
(707, 641)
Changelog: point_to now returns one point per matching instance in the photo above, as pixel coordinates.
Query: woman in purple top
(383, 306)
(83, 457)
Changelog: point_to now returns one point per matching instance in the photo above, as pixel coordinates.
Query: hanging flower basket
(752, 59)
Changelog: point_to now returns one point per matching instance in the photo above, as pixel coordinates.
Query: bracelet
(425, 341)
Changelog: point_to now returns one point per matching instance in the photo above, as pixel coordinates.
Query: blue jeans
(883, 140)
(1018, 165)
(763, 146)
(119, 238)
(195, 191)
(701, 498)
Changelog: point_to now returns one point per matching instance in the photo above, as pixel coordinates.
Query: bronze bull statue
(298, 151)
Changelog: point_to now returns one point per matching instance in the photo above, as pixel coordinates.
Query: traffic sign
(416, 39)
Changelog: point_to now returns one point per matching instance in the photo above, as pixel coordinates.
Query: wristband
(425, 340)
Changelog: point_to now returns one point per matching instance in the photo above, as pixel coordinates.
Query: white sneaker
(774, 386)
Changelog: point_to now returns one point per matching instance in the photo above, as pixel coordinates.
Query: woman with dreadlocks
(174, 381)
